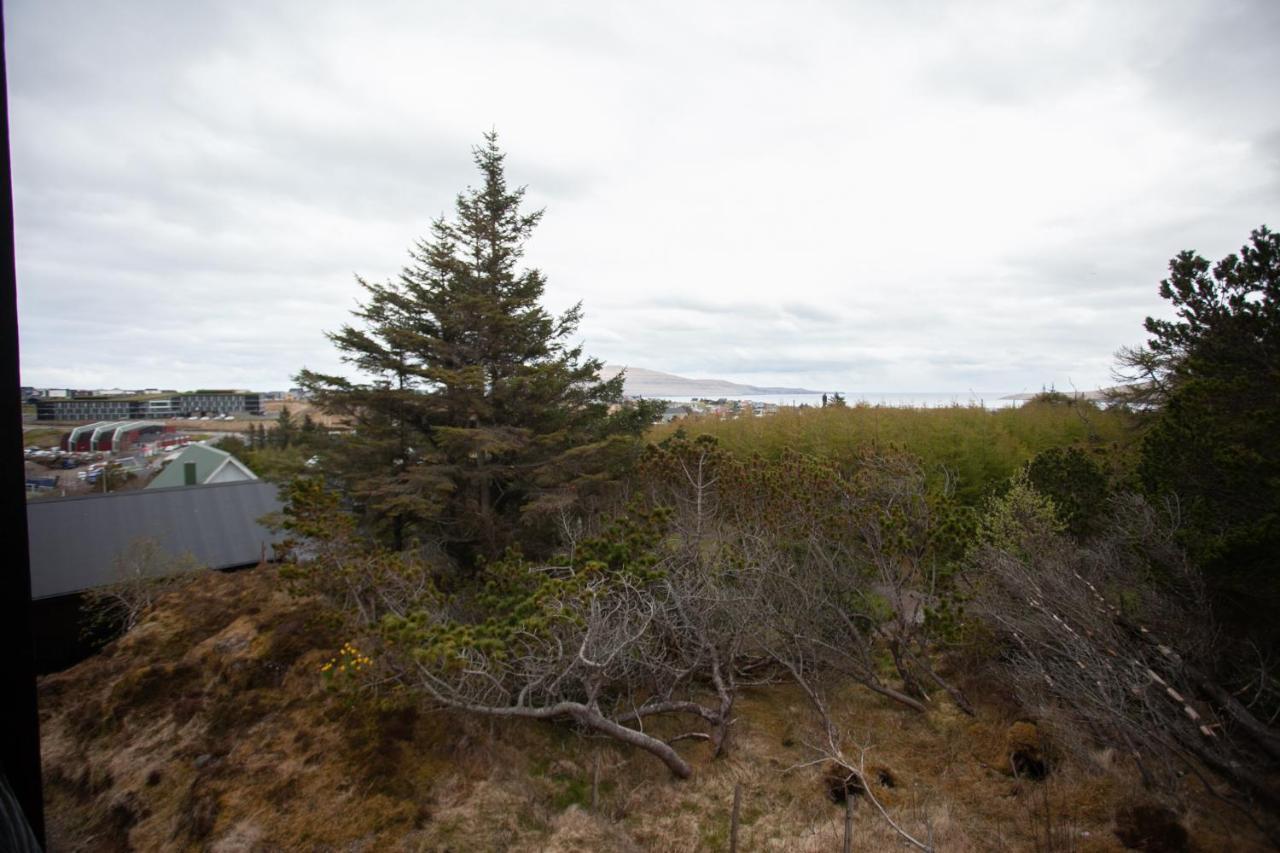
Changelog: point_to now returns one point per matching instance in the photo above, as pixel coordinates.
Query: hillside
(641, 382)
(210, 727)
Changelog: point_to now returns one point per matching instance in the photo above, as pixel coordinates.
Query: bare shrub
(719, 572)
(1111, 642)
(610, 636)
(141, 574)
(849, 567)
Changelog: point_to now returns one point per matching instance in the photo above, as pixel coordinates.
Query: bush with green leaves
(1074, 482)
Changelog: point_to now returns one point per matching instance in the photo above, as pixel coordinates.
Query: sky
(857, 196)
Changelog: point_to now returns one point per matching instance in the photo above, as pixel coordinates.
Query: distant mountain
(641, 382)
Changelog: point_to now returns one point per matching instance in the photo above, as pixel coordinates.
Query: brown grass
(209, 727)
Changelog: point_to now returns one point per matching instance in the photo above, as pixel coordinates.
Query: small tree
(285, 430)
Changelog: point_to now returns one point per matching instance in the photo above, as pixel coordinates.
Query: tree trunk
(848, 823)
(956, 694)
(720, 734)
(595, 720)
(910, 685)
(583, 715)
(911, 702)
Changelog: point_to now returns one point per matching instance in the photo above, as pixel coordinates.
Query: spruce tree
(1215, 442)
(477, 408)
(284, 431)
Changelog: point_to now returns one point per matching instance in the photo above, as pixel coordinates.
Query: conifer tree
(1215, 441)
(284, 428)
(476, 407)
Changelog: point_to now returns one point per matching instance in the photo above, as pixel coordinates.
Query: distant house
(198, 465)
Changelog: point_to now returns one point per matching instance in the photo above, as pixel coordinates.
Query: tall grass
(978, 449)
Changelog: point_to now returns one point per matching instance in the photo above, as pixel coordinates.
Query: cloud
(888, 198)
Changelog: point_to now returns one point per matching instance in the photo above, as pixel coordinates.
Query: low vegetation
(213, 723)
(976, 450)
(506, 616)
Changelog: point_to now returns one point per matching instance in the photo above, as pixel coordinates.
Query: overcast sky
(904, 196)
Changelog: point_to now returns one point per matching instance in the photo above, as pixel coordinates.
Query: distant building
(138, 406)
(114, 436)
(219, 403)
(198, 465)
(106, 408)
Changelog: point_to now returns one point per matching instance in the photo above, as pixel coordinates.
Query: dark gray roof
(75, 540)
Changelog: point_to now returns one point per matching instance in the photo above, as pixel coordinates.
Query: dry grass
(208, 727)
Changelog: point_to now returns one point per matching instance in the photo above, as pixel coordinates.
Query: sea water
(897, 399)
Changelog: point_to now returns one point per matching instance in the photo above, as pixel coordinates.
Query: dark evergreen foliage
(477, 410)
(285, 430)
(1215, 445)
(1074, 482)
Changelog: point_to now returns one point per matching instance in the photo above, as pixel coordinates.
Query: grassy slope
(209, 727)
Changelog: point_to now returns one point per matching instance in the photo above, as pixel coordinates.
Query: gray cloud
(830, 196)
